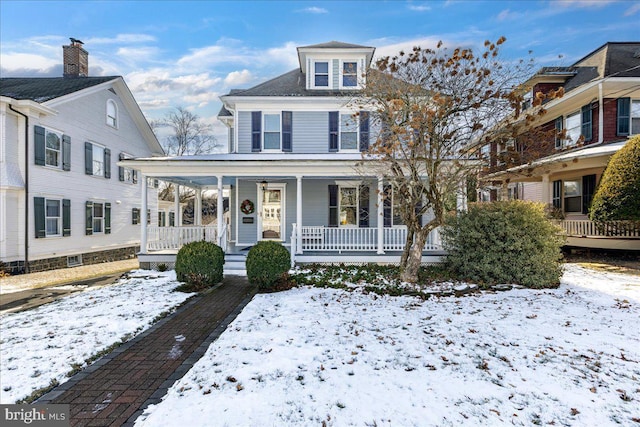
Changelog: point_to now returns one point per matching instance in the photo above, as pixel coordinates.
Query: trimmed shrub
(267, 263)
(200, 264)
(618, 195)
(504, 242)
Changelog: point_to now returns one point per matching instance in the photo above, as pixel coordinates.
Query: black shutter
(66, 217)
(287, 125)
(156, 183)
(120, 168)
(624, 107)
(135, 216)
(363, 206)
(38, 212)
(107, 218)
(256, 131)
(557, 194)
(333, 205)
(148, 216)
(333, 130)
(172, 219)
(88, 224)
(134, 176)
(559, 127)
(107, 163)
(386, 205)
(66, 152)
(39, 145)
(587, 126)
(364, 131)
(588, 189)
(88, 158)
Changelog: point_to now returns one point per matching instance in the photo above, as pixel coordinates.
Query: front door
(271, 214)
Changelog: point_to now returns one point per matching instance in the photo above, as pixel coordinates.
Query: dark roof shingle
(42, 89)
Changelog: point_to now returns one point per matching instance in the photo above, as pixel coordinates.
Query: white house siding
(532, 191)
(11, 182)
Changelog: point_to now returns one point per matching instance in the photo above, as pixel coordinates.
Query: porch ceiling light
(263, 186)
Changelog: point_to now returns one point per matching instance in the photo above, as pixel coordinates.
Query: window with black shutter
(256, 131)
(364, 131)
(623, 116)
(334, 117)
(287, 125)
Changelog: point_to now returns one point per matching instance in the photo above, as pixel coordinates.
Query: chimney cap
(75, 40)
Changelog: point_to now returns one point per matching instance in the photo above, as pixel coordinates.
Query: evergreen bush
(200, 264)
(504, 242)
(267, 263)
(618, 195)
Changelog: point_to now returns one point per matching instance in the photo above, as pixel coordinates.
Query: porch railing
(608, 229)
(332, 239)
(165, 238)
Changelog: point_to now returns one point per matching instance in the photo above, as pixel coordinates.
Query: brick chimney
(75, 59)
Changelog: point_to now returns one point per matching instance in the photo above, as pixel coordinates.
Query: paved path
(115, 390)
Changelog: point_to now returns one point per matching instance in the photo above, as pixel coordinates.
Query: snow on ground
(310, 356)
(39, 345)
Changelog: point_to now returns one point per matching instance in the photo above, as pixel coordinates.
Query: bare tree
(431, 104)
(189, 135)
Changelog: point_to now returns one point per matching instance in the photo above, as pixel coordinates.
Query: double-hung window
(349, 206)
(349, 74)
(127, 174)
(348, 132)
(272, 131)
(577, 127)
(53, 217)
(628, 116)
(321, 74)
(573, 127)
(98, 218)
(97, 160)
(53, 148)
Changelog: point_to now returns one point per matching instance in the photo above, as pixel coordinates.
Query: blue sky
(188, 53)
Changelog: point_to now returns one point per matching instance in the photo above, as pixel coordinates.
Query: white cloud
(236, 78)
(632, 10)
(584, 3)
(508, 15)
(418, 7)
(120, 39)
(140, 53)
(17, 61)
(314, 9)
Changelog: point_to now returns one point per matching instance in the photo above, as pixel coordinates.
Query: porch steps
(235, 264)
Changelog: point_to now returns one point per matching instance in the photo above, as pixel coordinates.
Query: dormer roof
(331, 48)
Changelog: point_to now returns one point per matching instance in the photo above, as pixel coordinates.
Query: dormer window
(349, 74)
(321, 74)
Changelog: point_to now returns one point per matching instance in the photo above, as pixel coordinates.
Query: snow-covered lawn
(44, 344)
(310, 356)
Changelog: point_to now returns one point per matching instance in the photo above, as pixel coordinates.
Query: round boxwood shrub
(504, 242)
(267, 263)
(200, 264)
(618, 195)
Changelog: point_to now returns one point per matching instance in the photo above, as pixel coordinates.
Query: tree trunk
(409, 271)
(407, 248)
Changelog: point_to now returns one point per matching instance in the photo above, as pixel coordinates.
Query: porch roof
(580, 158)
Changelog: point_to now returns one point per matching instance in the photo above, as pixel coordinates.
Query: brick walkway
(115, 389)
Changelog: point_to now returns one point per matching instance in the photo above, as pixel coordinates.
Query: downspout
(600, 114)
(26, 188)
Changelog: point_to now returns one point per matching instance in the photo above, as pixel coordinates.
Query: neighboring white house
(63, 199)
(294, 143)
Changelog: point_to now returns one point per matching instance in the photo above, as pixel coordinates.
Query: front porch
(619, 235)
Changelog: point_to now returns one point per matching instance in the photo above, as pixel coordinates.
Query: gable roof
(335, 45)
(43, 89)
(292, 83)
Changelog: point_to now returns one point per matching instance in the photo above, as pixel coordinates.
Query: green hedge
(618, 195)
(504, 242)
(267, 263)
(200, 264)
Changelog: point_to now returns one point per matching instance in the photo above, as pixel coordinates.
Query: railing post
(380, 212)
(299, 213)
(294, 240)
(143, 214)
(220, 211)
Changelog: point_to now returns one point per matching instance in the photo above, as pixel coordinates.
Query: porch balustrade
(332, 239)
(609, 229)
(169, 238)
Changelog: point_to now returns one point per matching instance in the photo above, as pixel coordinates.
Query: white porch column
(143, 214)
(461, 198)
(545, 189)
(176, 205)
(380, 212)
(198, 207)
(299, 214)
(220, 211)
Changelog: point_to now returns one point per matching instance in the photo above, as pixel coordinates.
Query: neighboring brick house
(63, 200)
(599, 111)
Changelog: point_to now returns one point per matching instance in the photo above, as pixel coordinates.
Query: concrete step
(235, 264)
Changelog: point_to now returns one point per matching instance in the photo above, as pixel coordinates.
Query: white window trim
(271, 113)
(60, 159)
(393, 208)
(631, 116)
(329, 72)
(59, 218)
(568, 142)
(349, 184)
(564, 196)
(93, 159)
(126, 156)
(358, 77)
(283, 211)
(356, 119)
(107, 116)
(93, 217)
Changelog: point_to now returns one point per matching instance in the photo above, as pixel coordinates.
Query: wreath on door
(247, 207)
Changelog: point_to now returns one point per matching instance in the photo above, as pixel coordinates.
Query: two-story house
(291, 169)
(63, 199)
(599, 111)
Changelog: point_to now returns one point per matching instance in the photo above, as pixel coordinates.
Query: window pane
(322, 67)
(97, 209)
(347, 123)
(348, 197)
(52, 157)
(349, 74)
(97, 225)
(53, 208)
(348, 216)
(272, 122)
(98, 160)
(635, 117)
(349, 141)
(573, 204)
(349, 81)
(573, 128)
(53, 141)
(571, 188)
(322, 80)
(53, 226)
(271, 140)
